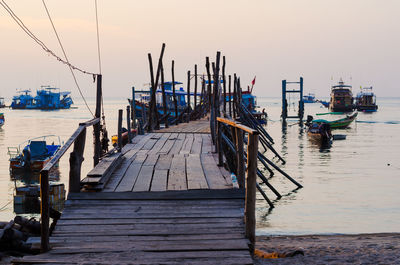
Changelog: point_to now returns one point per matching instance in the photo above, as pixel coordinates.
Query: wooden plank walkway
(167, 202)
(198, 126)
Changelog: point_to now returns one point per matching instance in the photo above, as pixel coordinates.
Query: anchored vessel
(366, 100)
(2, 120)
(338, 123)
(2, 105)
(341, 98)
(309, 98)
(35, 154)
(47, 98)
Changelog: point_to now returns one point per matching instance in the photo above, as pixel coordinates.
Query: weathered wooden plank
(187, 144)
(164, 162)
(194, 173)
(144, 179)
(168, 144)
(96, 221)
(165, 195)
(206, 146)
(225, 173)
(159, 182)
(178, 144)
(103, 170)
(150, 143)
(177, 173)
(212, 172)
(197, 143)
(160, 143)
(131, 174)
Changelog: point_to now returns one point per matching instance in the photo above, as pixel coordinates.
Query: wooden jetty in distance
(167, 196)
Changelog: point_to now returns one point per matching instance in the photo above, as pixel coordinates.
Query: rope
(66, 58)
(98, 38)
(30, 34)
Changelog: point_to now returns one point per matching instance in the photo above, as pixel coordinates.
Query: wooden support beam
(120, 130)
(239, 158)
(45, 211)
(97, 127)
(250, 205)
(75, 162)
(224, 82)
(195, 87)
(164, 98)
(188, 97)
(128, 123)
(174, 93)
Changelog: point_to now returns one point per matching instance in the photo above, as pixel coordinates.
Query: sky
(321, 41)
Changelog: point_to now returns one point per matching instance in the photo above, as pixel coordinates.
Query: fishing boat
(2, 120)
(341, 97)
(338, 123)
(47, 98)
(33, 154)
(309, 98)
(2, 104)
(366, 100)
(320, 132)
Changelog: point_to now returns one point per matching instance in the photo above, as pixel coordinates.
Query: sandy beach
(383, 248)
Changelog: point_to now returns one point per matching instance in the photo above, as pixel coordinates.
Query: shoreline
(374, 248)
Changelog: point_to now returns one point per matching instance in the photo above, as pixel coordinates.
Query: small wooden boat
(320, 132)
(366, 100)
(2, 105)
(309, 98)
(35, 154)
(341, 98)
(339, 123)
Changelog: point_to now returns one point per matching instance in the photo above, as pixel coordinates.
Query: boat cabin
(341, 98)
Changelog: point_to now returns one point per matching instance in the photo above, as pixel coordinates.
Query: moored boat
(366, 100)
(2, 104)
(341, 97)
(47, 98)
(33, 154)
(320, 132)
(309, 98)
(339, 123)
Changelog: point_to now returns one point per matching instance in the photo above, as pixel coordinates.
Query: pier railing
(246, 171)
(78, 138)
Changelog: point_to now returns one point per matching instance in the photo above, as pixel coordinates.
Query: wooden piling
(133, 108)
(188, 97)
(96, 127)
(164, 98)
(224, 82)
(75, 162)
(239, 158)
(128, 123)
(195, 87)
(173, 92)
(250, 207)
(120, 130)
(45, 211)
(150, 109)
(230, 95)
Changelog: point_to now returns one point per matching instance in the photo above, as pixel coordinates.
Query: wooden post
(128, 123)
(188, 97)
(234, 96)
(45, 211)
(96, 127)
(75, 162)
(219, 141)
(284, 102)
(250, 207)
(239, 158)
(224, 82)
(133, 108)
(150, 109)
(195, 87)
(209, 82)
(164, 98)
(173, 93)
(203, 98)
(230, 95)
(120, 130)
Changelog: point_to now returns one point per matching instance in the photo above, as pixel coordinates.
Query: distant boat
(320, 132)
(35, 154)
(2, 105)
(2, 120)
(338, 123)
(341, 98)
(47, 98)
(366, 100)
(309, 98)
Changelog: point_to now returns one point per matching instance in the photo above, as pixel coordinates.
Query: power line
(66, 58)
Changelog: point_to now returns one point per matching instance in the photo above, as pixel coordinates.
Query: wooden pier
(166, 201)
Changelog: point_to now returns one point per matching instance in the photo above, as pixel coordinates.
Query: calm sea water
(351, 187)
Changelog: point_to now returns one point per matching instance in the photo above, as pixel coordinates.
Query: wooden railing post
(96, 127)
(219, 142)
(133, 108)
(188, 97)
(75, 162)
(120, 130)
(250, 207)
(45, 211)
(128, 123)
(239, 157)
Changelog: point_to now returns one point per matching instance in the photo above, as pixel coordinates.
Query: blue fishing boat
(309, 98)
(33, 154)
(47, 98)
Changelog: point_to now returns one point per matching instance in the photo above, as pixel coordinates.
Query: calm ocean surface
(352, 187)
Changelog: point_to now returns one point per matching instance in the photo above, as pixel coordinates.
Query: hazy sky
(358, 40)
